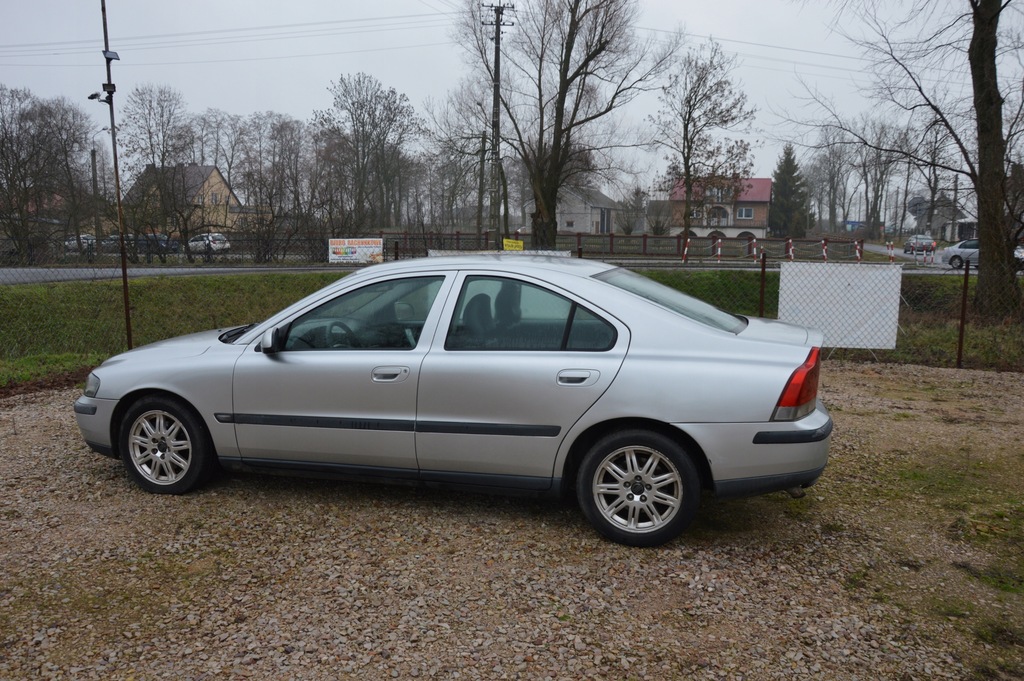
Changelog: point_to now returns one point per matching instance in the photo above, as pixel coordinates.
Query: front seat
(477, 319)
(506, 307)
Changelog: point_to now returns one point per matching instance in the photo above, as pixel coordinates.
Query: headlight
(92, 385)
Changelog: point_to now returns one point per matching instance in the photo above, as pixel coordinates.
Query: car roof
(505, 262)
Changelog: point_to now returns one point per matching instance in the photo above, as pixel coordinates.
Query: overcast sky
(260, 55)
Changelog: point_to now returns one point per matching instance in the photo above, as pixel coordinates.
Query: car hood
(774, 331)
(192, 345)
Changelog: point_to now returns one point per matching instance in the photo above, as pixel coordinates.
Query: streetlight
(107, 97)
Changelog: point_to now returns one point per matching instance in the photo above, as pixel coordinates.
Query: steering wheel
(342, 336)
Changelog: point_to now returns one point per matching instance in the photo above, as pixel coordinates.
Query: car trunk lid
(775, 331)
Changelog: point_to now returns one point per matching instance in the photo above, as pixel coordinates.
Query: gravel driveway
(283, 578)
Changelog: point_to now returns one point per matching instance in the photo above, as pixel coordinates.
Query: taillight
(800, 395)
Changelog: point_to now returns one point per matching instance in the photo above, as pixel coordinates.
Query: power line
(220, 31)
(276, 57)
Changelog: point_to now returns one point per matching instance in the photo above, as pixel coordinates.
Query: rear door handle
(389, 374)
(578, 377)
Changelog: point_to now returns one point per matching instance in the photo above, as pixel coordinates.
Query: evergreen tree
(788, 213)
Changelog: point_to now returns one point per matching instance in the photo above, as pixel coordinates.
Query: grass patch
(738, 291)
(999, 633)
(43, 367)
(952, 608)
(1005, 578)
(857, 579)
(54, 329)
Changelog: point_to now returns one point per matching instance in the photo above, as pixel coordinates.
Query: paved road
(45, 275)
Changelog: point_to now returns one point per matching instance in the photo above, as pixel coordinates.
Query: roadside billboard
(355, 251)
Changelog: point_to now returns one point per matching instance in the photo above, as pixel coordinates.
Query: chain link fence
(72, 302)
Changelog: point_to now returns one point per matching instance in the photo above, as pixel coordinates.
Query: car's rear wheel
(165, 447)
(956, 262)
(638, 488)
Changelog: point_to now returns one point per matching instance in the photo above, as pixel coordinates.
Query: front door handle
(578, 377)
(389, 374)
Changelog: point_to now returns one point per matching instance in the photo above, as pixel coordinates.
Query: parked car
(956, 255)
(969, 251)
(112, 243)
(156, 244)
(144, 244)
(520, 373)
(919, 243)
(214, 242)
(83, 243)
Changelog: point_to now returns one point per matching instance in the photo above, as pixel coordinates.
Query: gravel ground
(259, 577)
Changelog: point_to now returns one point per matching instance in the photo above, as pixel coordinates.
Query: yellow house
(182, 200)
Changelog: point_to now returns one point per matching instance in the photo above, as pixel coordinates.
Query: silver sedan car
(957, 254)
(511, 373)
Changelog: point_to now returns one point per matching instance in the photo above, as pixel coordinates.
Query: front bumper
(94, 417)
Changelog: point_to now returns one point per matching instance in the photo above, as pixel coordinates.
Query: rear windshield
(668, 297)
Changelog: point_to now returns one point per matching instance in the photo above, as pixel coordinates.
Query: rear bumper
(756, 458)
(748, 487)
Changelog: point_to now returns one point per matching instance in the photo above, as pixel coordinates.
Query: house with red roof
(721, 212)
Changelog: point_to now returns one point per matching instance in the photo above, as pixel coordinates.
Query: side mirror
(272, 341)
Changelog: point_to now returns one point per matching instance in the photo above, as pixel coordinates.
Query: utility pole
(480, 189)
(107, 97)
(499, 11)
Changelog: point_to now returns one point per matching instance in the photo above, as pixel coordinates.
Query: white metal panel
(853, 305)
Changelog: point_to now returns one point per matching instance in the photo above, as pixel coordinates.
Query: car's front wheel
(165, 447)
(956, 262)
(638, 488)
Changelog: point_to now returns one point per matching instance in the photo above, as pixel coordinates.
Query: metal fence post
(764, 262)
(963, 316)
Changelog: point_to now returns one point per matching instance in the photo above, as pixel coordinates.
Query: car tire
(956, 262)
(638, 488)
(165, 447)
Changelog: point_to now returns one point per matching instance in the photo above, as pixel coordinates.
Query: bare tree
(633, 215)
(263, 180)
(370, 127)
(457, 132)
(215, 138)
(571, 66)
(155, 128)
(982, 124)
(874, 162)
(933, 143)
(43, 177)
(66, 127)
(829, 172)
(699, 105)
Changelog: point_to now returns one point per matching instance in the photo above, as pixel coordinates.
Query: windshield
(668, 297)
